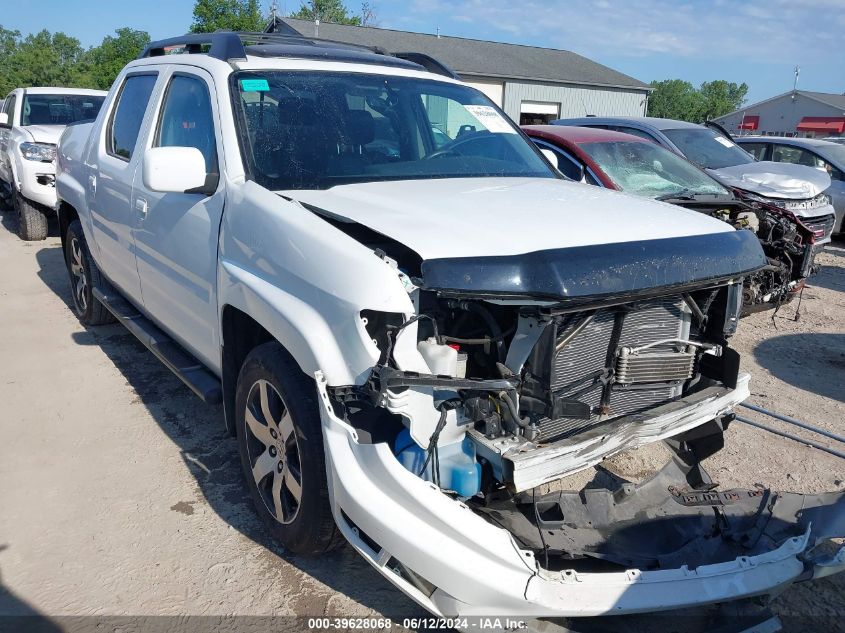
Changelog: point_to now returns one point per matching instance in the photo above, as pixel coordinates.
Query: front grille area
(821, 226)
(577, 367)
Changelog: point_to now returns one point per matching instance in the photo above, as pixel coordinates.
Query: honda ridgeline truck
(411, 334)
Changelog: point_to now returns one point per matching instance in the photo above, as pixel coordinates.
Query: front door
(176, 233)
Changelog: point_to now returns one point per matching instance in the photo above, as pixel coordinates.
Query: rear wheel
(84, 277)
(32, 221)
(280, 441)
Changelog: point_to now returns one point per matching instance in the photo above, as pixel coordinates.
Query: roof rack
(230, 46)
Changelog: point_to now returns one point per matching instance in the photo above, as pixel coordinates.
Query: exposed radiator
(576, 366)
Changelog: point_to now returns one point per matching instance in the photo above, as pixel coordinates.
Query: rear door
(176, 234)
(111, 171)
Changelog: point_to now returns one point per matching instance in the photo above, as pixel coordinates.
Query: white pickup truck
(410, 334)
(31, 121)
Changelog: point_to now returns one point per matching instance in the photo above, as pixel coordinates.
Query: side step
(201, 381)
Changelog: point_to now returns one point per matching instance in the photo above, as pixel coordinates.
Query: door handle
(92, 183)
(141, 207)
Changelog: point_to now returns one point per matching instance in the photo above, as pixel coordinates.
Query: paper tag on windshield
(490, 119)
(723, 141)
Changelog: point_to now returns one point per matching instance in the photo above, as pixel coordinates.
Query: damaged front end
(513, 372)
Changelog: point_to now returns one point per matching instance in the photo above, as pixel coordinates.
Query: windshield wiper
(683, 194)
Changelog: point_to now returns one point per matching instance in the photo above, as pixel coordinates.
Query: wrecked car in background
(798, 189)
(409, 335)
(634, 164)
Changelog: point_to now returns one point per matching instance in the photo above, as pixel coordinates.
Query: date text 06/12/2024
(381, 624)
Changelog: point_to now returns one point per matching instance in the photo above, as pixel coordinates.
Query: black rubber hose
(484, 313)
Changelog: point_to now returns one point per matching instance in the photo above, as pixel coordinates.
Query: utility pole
(795, 83)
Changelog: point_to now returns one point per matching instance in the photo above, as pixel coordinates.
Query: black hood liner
(601, 269)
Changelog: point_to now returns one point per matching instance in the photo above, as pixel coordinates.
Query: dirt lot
(121, 494)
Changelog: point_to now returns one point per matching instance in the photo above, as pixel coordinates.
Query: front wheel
(32, 221)
(280, 440)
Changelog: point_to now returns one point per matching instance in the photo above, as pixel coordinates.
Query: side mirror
(550, 156)
(4, 118)
(177, 170)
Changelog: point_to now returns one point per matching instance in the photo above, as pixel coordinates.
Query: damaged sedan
(625, 162)
(412, 332)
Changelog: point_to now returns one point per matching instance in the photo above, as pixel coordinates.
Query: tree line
(57, 59)
(679, 99)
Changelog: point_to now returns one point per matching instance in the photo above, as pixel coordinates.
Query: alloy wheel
(273, 451)
(77, 271)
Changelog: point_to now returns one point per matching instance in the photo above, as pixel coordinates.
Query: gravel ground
(120, 493)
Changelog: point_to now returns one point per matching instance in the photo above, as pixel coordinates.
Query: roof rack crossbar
(429, 63)
(231, 45)
(224, 45)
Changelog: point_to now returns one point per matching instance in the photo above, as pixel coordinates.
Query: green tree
(678, 99)
(41, 59)
(330, 11)
(721, 97)
(674, 99)
(102, 63)
(229, 15)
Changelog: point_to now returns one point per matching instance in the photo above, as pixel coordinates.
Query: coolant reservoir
(441, 359)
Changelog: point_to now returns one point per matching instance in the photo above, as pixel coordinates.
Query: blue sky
(756, 41)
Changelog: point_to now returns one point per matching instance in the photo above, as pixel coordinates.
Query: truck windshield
(648, 170)
(708, 148)
(315, 130)
(47, 109)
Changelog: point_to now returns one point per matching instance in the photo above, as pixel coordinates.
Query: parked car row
(413, 321)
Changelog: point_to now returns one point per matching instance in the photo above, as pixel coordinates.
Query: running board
(189, 370)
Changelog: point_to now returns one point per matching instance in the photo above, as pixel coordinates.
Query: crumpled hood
(45, 133)
(775, 180)
(477, 217)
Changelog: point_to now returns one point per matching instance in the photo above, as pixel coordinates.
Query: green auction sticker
(254, 85)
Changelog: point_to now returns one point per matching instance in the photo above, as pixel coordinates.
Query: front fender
(305, 282)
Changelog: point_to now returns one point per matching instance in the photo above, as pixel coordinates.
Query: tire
(32, 222)
(84, 277)
(280, 440)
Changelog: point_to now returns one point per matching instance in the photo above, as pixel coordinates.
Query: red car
(638, 166)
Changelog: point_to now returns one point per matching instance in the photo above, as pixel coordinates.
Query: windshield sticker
(723, 141)
(490, 119)
(254, 85)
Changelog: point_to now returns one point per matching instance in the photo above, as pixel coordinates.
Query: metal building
(531, 84)
(794, 113)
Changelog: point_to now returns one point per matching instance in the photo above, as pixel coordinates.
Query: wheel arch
(66, 214)
(240, 334)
